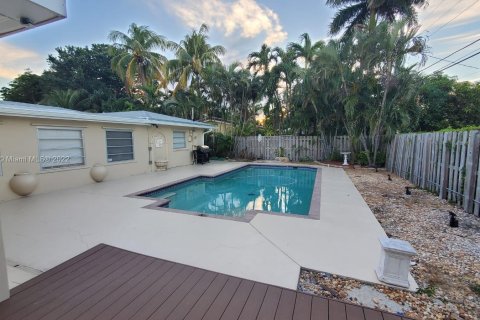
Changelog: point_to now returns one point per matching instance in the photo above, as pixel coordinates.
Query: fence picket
(446, 163)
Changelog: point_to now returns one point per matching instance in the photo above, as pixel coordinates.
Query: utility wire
(439, 18)
(435, 9)
(461, 12)
(457, 62)
(451, 54)
(443, 59)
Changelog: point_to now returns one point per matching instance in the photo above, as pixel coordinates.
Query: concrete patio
(44, 230)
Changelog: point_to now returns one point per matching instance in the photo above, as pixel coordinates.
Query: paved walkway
(42, 231)
(110, 283)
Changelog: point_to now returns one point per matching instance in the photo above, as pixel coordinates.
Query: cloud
(440, 12)
(457, 38)
(15, 60)
(234, 55)
(245, 17)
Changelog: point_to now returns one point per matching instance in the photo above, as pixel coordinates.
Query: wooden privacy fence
(445, 163)
(296, 148)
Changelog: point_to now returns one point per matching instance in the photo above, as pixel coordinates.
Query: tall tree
(134, 60)
(382, 54)
(261, 61)
(82, 68)
(306, 49)
(193, 54)
(359, 13)
(27, 87)
(71, 99)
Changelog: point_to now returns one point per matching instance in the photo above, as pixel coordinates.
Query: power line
(451, 54)
(435, 8)
(461, 12)
(458, 62)
(443, 59)
(448, 10)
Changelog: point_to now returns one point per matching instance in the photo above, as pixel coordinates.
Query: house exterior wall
(221, 126)
(18, 138)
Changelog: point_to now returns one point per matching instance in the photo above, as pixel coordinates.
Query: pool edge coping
(313, 213)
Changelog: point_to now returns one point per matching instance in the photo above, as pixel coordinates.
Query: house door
(159, 147)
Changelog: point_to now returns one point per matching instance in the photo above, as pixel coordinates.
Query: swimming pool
(274, 189)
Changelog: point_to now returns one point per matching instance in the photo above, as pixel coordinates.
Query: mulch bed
(447, 267)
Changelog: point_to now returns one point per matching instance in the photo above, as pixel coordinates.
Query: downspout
(208, 131)
(150, 150)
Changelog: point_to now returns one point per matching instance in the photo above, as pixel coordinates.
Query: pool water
(266, 188)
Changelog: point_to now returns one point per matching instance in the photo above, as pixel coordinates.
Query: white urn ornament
(23, 183)
(98, 172)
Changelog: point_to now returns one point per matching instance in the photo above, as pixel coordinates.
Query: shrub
(336, 156)
(361, 158)
(221, 145)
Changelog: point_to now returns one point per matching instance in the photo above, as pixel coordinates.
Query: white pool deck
(44, 230)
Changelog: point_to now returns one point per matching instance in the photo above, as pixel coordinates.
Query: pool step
(168, 195)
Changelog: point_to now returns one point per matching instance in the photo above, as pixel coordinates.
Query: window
(119, 145)
(179, 141)
(60, 147)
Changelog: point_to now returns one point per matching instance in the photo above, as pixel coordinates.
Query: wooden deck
(110, 283)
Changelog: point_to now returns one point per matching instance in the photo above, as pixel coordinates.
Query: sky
(241, 26)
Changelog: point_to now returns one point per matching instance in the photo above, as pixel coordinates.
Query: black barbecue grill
(200, 155)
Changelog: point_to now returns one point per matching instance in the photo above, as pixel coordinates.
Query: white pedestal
(345, 158)
(394, 266)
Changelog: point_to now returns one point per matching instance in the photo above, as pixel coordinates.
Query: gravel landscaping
(447, 267)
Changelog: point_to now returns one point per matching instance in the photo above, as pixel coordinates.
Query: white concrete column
(4, 291)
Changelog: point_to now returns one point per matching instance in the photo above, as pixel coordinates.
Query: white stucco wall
(18, 138)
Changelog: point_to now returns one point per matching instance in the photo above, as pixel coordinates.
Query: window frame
(184, 139)
(106, 145)
(61, 167)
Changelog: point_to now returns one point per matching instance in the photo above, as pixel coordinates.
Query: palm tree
(134, 59)
(391, 44)
(306, 49)
(356, 13)
(260, 61)
(70, 99)
(193, 55)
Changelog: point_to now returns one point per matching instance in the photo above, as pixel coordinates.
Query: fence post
(471, 169)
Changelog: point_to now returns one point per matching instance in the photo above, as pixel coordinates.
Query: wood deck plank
(254, 302)
(107, 283)
(354, 312)
(129, 310)
(80, 291)
(388, 316)
(303, 307)
(222, 300)
(55, 270)
(203, 304)
(25, 297)
(372, 314)
(52, 291)
(101, 290)
(151, 304)
(108, 307)
(184, 307)
(270, 304)
(319, 308)
(238, 301)
(336, 310)
(286, 305)
(177, 296)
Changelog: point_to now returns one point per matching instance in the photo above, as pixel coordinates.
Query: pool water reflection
(265, 188)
